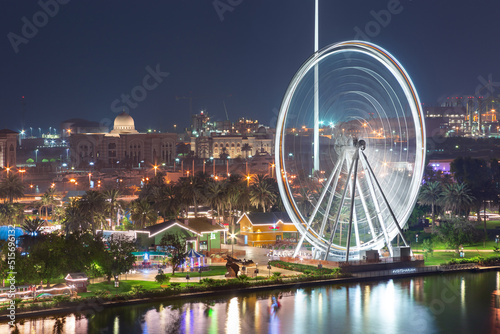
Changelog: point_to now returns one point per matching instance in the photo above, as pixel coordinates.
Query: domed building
(124, 123)
(122, 147)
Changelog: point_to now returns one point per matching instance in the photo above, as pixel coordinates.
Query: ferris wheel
(350, 150)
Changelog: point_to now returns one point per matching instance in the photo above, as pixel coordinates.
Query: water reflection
(448, 303)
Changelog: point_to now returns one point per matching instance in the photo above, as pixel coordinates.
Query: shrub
(276, 274)
(62, 299)
(102, 293)
(137, 289)
(243, 277)
(162, 278)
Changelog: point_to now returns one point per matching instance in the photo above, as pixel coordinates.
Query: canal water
(449, 303)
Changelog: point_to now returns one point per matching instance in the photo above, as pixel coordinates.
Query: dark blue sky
(91, 52)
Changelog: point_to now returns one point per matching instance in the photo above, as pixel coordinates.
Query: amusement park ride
(350, 150)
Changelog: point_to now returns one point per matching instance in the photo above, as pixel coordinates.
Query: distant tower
(23, 112)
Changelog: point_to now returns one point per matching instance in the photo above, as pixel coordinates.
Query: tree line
(471, 184)
(157, 199)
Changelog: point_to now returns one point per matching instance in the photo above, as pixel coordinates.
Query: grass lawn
(214, 271)
(125, 286)
(440, 257)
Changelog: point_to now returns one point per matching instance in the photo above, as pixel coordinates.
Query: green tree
(74, 218)
(142, 213)
(176, 246)
(458, 231)
(431, 194)
(263, 193)
(47, 201)
(191, 191)
(11, 187)
(49, 257)
(428, 247)
(93, 204)
(117, 258)
(215, 194)
(457, 198)
(112, 203)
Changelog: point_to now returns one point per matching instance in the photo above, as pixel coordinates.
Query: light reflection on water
(459, 303)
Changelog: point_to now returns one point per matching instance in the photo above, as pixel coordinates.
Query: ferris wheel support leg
(335, 172)
(332, 196)
(316, 119)
(348, 246)
(337, 217)
(385, 200)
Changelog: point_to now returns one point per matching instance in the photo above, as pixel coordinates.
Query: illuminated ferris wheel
(350, 149)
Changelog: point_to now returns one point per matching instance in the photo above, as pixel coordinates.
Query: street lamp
(199, 270)
(269, 267)
(8, 170)
(187, 278)
(36, 155)
(496, 239)
(155, 167)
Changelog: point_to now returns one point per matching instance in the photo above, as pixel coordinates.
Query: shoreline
(84, 305)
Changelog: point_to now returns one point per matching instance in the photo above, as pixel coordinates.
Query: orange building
(258, 228)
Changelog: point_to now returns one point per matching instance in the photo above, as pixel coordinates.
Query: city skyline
(82, 60)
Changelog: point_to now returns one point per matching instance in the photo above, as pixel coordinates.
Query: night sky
(81, 60)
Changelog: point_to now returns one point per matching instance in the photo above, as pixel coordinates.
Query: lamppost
(36, 155)
(8, 170)
(90, 175)
(155, 167)
(187, 278)
(496, 239)
(199, 270)
(269, 267)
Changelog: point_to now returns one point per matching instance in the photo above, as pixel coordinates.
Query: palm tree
(262, 192)
(190, 191)
(11, 187)
(47, 200)
(143, 213)
(7, 213)
(112, 203)
(74, 218)
(431, 194)
(215, 194)
(165, 201)
(32, 226)
(94, 205)
(457, 197)
(246, 148)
